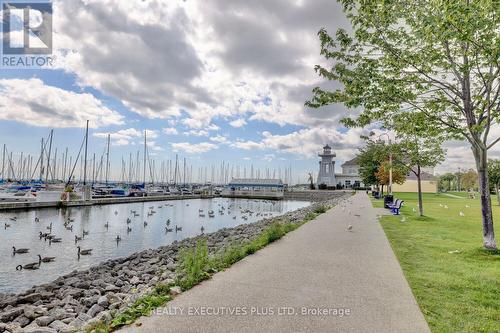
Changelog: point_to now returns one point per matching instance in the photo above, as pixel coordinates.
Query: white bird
(445, 207)
(462, 213)
(349, 227)
(414, 210)
(467, 206)
(440, 205)
(403, 219)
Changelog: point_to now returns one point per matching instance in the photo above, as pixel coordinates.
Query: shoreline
(82, 298)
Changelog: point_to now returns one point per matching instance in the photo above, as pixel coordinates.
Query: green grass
(455, 281)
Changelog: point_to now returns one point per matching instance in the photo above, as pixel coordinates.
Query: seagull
(462, 213)
(403, 219)
(414, 210)
(445, 207)
(440, 205)
(467, 206)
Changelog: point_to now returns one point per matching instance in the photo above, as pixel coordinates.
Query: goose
(202, 230)
(77, 239)
(70, 228)
(145, 224)
(55, 240)
(129, 220)
(106, 225)
(31, 266)
(178, 228)
(84, 252)
(44, 235)
(118, 238)
(129, 229)
(168, 222)
(7, 226)
(136, 214)
(37, 219)
(234, 217)
(50, 226)
(19, 251)
(45, 259)
(85, 233)
(13, 218)
(71, 219)
(116, 212)
(167, 229)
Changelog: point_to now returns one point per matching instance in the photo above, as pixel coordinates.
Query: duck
(32, 266)
(118, 238)
(6, 226)
(129, 229)
(168, 222)
(202, 230)
(178, 228)
(167, 229)
(45, 259)
(19, 251)
(77, 239)
(106, 225)
(13, 218)
(71, 219)
(129, 220)
(145, 224)
(37, 219)
(84, 252)
(55, 240)
(85, 233)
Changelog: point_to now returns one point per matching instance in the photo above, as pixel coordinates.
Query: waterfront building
(349, 178)
(255, 188)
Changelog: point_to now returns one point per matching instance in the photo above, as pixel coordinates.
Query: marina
(113, 231)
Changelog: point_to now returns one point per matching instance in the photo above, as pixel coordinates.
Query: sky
(209, 80)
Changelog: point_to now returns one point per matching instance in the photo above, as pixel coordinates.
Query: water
(24, 233)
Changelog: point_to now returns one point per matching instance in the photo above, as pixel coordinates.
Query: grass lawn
(456, 282)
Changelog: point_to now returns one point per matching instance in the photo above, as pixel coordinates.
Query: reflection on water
(105, 223)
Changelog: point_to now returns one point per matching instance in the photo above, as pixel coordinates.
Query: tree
(370, 158)
(447, 178)
(398, 175)
(439, 59)
(469, 180)
(494, 174)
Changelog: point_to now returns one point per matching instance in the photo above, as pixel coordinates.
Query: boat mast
(175, 170)
(107, 159)
(48, 157)
(144, 167)
(85, 155)
(3, 161)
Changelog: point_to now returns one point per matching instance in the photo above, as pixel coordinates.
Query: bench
(396, 206)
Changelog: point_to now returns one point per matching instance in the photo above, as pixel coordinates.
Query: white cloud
(197, 133)
(129, 136)
(34, 103)
(219, 139)
(170, 131)
(194, 148)
(238, 123)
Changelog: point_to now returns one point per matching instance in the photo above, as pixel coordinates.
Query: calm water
(24, 232)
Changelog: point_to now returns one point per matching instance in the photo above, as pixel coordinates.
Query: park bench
(396, 206)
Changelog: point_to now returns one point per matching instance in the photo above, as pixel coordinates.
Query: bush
(320, 210)
(193, 264)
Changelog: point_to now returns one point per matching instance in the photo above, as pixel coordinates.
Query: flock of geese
(68, 225)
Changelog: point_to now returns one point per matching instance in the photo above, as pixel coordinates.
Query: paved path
(319, 265)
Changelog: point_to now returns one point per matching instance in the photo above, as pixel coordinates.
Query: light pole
(390, 161)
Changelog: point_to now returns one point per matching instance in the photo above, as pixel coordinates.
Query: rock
(105, 316)
(35, 329)
(44, 320)
(94, 310)
(61, 327)
(22, 320)
(176, 290)
(9, 315)
(135, 280)
(31, 298)
(103, 301)
(33, 312)
(119, 283)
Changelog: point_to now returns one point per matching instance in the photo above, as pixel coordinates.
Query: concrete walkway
(321, 266)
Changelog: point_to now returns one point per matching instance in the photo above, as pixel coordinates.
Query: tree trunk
(382, 192)
(419, 187)
(481, 157)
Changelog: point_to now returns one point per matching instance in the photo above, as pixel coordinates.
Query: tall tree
(436, 58)
(370, 158)
(494, 174)
(447, 178)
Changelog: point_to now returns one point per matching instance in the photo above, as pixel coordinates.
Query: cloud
(219, 139)
(238, 123)
(193, 148)
(129, 136)
(197, 133)
(170, 131)
(34, 103)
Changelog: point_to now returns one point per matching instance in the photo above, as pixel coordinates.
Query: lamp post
(390, 161)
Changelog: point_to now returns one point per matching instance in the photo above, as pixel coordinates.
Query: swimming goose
(84, 233)
(145, 224)
(13, 218)
(129, 220)
(168, 222)
(178, 228)
(55, 240)
(19, 251)
(106, 225)
(45, 259)
(202, 230)
(77, 239)
(118, 238)
(84, 252)
(167, 229)
(31, 266)
(50, 226)
(7, 225)
(37, 219)
(129, 229)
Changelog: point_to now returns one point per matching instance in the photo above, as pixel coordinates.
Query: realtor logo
(27, 27)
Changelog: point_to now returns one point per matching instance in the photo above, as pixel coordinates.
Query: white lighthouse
(326, 173)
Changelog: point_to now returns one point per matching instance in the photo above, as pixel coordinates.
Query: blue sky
(210, 81)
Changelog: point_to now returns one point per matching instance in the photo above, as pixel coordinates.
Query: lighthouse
(326, 174)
